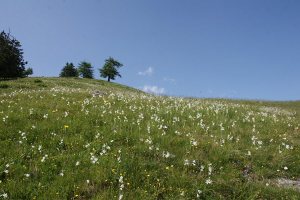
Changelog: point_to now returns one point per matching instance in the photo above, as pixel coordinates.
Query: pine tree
(110, 69)
(85, 70)
(12, 64)
(69, 70)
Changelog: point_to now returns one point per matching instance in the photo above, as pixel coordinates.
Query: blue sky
(214, 48)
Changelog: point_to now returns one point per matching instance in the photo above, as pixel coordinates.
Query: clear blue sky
(247, 49)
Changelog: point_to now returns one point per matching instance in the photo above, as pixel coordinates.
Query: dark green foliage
(69, 70)
(42, 85)
(12, 64)
(4, 86)
(28, 72)
(85, 70)
(110, 69)
(38, 81)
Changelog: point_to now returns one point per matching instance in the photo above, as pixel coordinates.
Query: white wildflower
(4, 195)
(186, 162)
(44, 158)
(209, 169)
(249, 153)
(202, 168)
(94, 159)
(208, 181)
(199, 192)
(166, 154)
(194, 162)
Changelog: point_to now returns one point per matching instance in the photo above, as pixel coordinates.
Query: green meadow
(71, 138)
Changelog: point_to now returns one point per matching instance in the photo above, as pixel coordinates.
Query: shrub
(4, 86)
(38, 81)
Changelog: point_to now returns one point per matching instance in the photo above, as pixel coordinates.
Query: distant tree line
(12, 64)
(85, 70)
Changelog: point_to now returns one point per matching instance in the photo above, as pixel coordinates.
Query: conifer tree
(12, 64)
(110, 69)
(69, 70)
(85, 70)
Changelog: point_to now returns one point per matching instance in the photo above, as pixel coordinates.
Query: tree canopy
(110, 69)
(12, 64)
(28, 72)
(69, 70)
(85, 70)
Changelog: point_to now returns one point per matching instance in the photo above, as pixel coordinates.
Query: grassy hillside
(89, 139)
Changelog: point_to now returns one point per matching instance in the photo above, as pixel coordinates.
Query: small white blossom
(94, 159)
(202, 168)
(4, 195)
(208, 181)
(209, 169)
(166, 155)
(120, 196)
(186, 162)
(61, 173)
(199, 192)
(44, 158)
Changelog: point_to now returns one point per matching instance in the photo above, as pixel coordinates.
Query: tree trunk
(108, 79)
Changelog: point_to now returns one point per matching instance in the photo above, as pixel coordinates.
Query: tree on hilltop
(85, 70)
(69, 70)
(110, 69)
(28, 72)
(12, 64)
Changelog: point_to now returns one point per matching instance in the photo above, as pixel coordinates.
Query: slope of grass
(89, 139)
